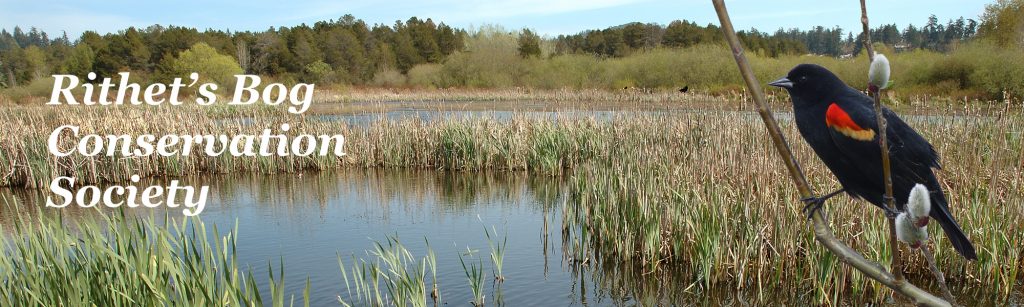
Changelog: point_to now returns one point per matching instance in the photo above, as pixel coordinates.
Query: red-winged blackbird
(839, 123)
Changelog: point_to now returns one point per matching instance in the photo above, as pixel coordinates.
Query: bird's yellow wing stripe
(840, 121)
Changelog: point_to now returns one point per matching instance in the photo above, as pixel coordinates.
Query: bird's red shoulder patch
(837, 119)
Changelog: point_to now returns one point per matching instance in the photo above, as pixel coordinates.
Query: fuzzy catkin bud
(908, 232)
(911, 226)
(919, 205)
(878, 73)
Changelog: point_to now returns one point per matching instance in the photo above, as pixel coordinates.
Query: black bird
(839, 123)
(684, 89)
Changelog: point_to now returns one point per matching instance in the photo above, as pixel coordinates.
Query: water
(312, 218)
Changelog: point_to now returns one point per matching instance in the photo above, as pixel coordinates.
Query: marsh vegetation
(693, 193)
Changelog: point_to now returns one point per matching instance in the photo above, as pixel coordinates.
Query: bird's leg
(890, 213)
(813, 204)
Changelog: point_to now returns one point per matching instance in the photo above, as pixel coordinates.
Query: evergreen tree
(529, 44)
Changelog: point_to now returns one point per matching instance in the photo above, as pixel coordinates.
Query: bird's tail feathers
(961, 243)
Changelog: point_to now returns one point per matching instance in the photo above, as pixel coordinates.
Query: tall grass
(521, 143)
(120, 260)
(704, 194)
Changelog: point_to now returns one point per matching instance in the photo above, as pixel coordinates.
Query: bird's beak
(783, 82)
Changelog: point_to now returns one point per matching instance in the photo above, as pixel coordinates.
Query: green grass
(474, 275)
(402, 276)
(119, 260)
(497, 251)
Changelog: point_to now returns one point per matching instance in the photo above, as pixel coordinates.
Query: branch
(822, 231)
(939, 278)
(883, 142)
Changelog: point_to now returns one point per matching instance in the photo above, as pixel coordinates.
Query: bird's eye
(803, 79)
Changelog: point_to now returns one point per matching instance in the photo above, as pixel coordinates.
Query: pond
(311, 218)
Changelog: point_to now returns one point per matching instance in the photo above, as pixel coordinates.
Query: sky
(548, 17)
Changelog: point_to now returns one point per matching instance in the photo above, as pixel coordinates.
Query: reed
(120, 260)
(497, 251)
(390, 264)
(703, 196)
(561, 96)
(475, 276)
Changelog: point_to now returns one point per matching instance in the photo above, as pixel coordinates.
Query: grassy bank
(697, 190)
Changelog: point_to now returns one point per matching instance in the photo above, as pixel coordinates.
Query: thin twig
(883, 143)
(822, 231)
(941, 279)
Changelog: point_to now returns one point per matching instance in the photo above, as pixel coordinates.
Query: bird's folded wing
(853, 128)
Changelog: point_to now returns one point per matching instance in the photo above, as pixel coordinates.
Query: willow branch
(883, 142)
(822, 231)
(939, 278)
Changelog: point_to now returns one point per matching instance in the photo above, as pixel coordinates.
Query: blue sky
(549, 17)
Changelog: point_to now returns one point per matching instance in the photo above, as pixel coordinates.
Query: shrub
(389, 78)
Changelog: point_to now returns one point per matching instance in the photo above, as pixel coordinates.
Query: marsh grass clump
(475, 275)
(391, 266)
(120, 260)
(497, 251)
(518, 143)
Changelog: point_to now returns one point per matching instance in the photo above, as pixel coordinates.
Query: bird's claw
(890, 212)
(811, 205)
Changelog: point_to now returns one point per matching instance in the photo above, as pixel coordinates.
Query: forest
(424, 53)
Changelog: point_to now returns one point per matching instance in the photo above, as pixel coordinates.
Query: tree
(210, 64)
(633, 35)
(345, 53)
(449, 40)
(529, 44)
(303, 46)
(406, 54)
(677, 34)
(80, 60)
(423, 34)
(317, 71)
(36, 60)
(1002, 22)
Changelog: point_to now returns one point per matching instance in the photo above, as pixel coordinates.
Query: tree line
(619, 41)
(350, 51)
(347, 50)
